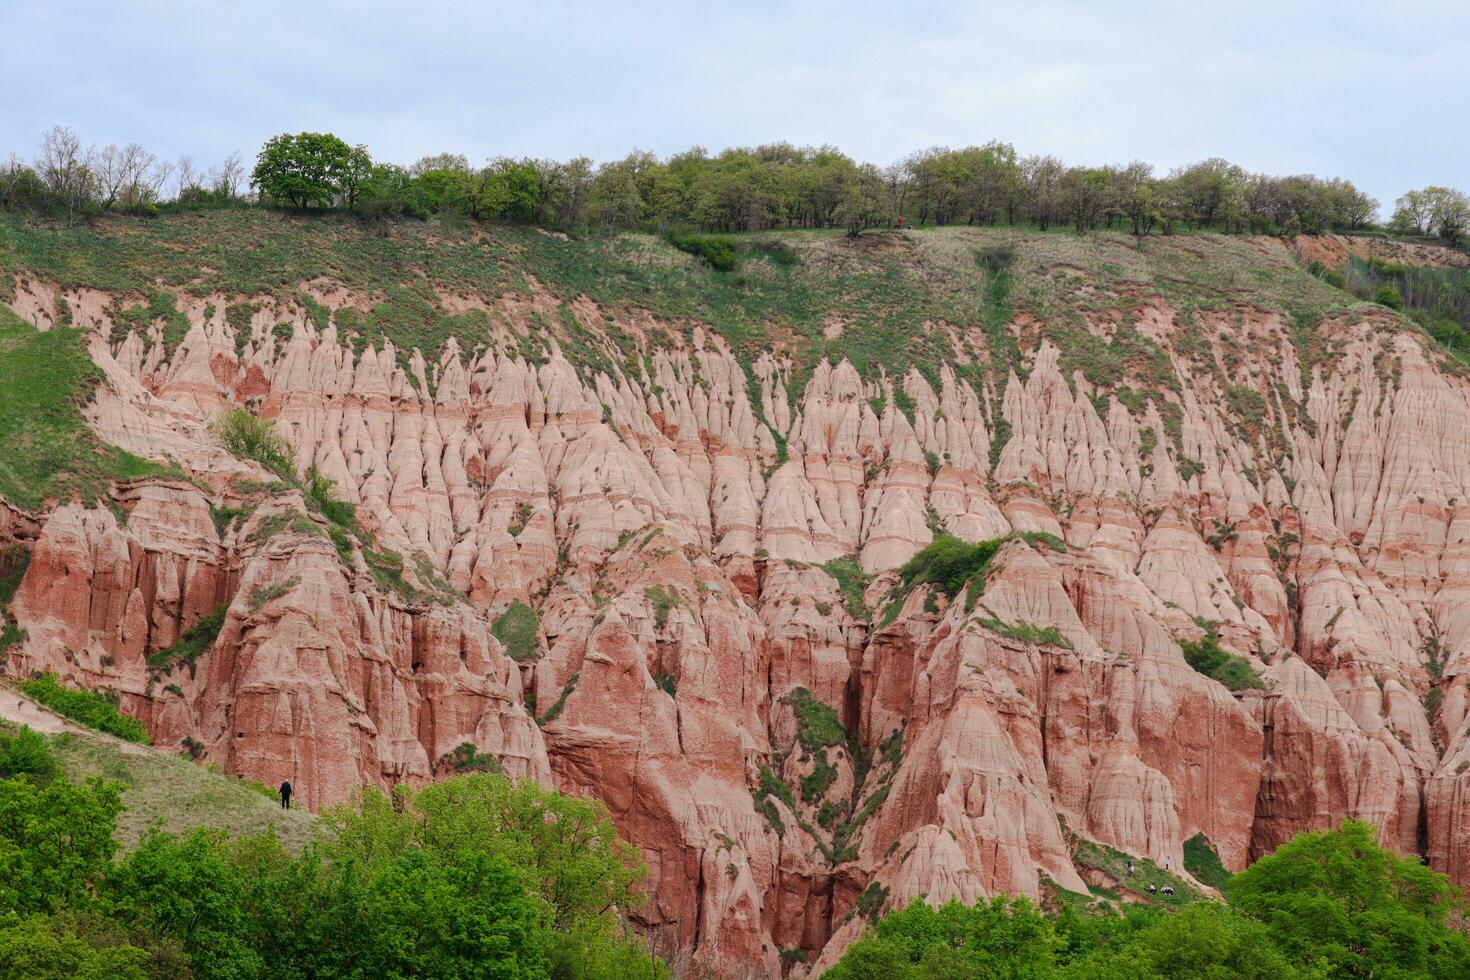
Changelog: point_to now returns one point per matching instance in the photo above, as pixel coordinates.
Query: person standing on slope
(286, 795)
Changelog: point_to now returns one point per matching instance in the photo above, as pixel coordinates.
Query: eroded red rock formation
(670, 529)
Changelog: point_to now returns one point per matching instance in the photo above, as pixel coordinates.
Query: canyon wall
(676, 530)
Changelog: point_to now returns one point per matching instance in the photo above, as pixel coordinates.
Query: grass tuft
(516, 629)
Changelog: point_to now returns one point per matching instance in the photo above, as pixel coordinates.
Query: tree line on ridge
(773, 186)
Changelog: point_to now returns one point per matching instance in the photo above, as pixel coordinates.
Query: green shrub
(870, 901)
(466, 758)
(13, 563)
(24, 753)
(84, 707)
(1207, 657)
(777, 251)
(663, 600)
(814, 785)
(771, 786)
(321, 497)
(196, 640)
(717, 253)
(559, 703)
(817, 724)
(10, 635)
(948, 564)
(387, 567)
(243, 434)
(1389, 297)
(521, 518)
(1028, 632)
(266, 593)
(996, 258)
(1450, 334)
(852, 582)
(516, 629)
(1039, 539)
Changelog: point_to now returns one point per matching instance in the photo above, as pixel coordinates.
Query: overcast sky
(1375, 92)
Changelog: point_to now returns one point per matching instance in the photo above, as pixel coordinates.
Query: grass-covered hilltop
(979, 567)
(763, 244)
(962, 296)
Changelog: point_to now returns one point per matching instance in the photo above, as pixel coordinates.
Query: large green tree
(305, 170)
(1336, 900)
(473, 876)
(187, 890)
(55, 842)
(52, 948)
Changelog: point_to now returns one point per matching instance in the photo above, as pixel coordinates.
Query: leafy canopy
(476, 876)
(306, 170)
(1338, 899)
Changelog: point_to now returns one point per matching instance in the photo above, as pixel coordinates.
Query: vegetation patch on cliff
(1027, 632)
(852, 582)
(244, 434)
(1114, 863)
(195, 640)
(47, 452)
(817, 723)
(948, 564)
(1207, 657)
(96, 711)
(13, 563)
(1201, 860)
(466, 758)
(516, 629)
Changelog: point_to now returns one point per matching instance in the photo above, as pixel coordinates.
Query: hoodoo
(947, 563)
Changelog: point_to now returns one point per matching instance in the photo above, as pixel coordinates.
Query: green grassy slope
(781, 295)
(181, 794)
(46, 450)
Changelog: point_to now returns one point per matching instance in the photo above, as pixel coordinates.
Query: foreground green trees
(474, 877)
(1329, 904)
(481, 877)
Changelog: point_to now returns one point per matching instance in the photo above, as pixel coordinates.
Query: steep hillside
(639, 528)
(159, 787)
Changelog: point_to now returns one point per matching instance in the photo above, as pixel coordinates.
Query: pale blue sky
(1375, 92)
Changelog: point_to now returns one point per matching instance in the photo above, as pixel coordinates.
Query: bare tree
(225, 178)
(440, 161)
(12, 177)
(111, 174)
(135, 165)
(66, 169)
(155, 178)
(188, 176)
